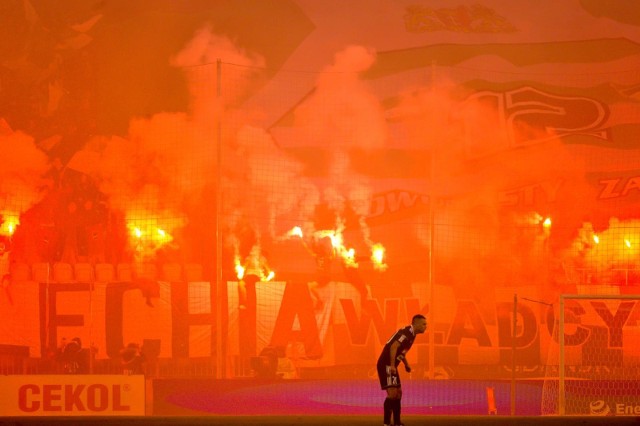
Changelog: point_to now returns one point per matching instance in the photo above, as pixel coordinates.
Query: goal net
(594, 356)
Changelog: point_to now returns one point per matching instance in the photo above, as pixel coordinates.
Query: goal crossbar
(599, 296)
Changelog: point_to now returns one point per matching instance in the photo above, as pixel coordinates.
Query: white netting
(594, 370)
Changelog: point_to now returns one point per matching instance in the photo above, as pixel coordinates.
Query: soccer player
(393, 353)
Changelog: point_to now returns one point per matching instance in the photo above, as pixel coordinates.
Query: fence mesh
(302, 217)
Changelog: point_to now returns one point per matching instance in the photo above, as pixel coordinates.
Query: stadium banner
(72, 395)
(467, 331)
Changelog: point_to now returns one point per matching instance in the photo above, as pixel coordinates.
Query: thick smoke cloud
(166, 167)
(22, 170)
(485, 233)
(158, 173)
(344, 116)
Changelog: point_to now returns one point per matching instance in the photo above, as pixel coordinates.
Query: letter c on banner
(24, 402)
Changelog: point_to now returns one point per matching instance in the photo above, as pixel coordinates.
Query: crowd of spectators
(73, 223)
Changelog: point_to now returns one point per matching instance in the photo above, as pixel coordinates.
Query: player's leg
(397, 406)
(388, 382)
(388, 405)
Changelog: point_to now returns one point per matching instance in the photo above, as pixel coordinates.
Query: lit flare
(378, 256)
(239, 271)
(296, 232)
(10, 223)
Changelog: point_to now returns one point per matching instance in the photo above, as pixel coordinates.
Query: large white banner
(72, 395)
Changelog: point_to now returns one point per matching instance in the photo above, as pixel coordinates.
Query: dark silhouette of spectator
(72, 356)
(132, 359)
(321, 247)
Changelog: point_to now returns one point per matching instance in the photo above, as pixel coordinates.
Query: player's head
(419, 323)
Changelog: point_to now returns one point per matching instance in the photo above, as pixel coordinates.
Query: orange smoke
(22, 166)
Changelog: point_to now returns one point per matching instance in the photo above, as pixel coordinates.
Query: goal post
(596, 348)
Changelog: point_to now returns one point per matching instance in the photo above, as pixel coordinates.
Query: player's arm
(393, 351)
(407, 367)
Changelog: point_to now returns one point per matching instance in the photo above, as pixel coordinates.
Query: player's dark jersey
(404, 336)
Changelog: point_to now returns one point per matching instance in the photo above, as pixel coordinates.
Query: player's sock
(387, 410)
(396, 412)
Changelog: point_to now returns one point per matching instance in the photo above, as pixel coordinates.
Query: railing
(162, 368)
(613, 276)
(104, 272)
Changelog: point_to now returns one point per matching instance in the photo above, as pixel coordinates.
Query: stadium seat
(20, 272)
(146, 270)
(83, 272)
(62, 272)
(105, 272)
(40, 272)
(124, 272)
(193, 272)
(172, 272)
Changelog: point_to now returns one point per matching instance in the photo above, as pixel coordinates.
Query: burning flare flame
(348, 255)
(147, 236)
(239, 269)
(378, 257)
(11, 221)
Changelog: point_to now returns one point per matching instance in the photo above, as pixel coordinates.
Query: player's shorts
(387, 380)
